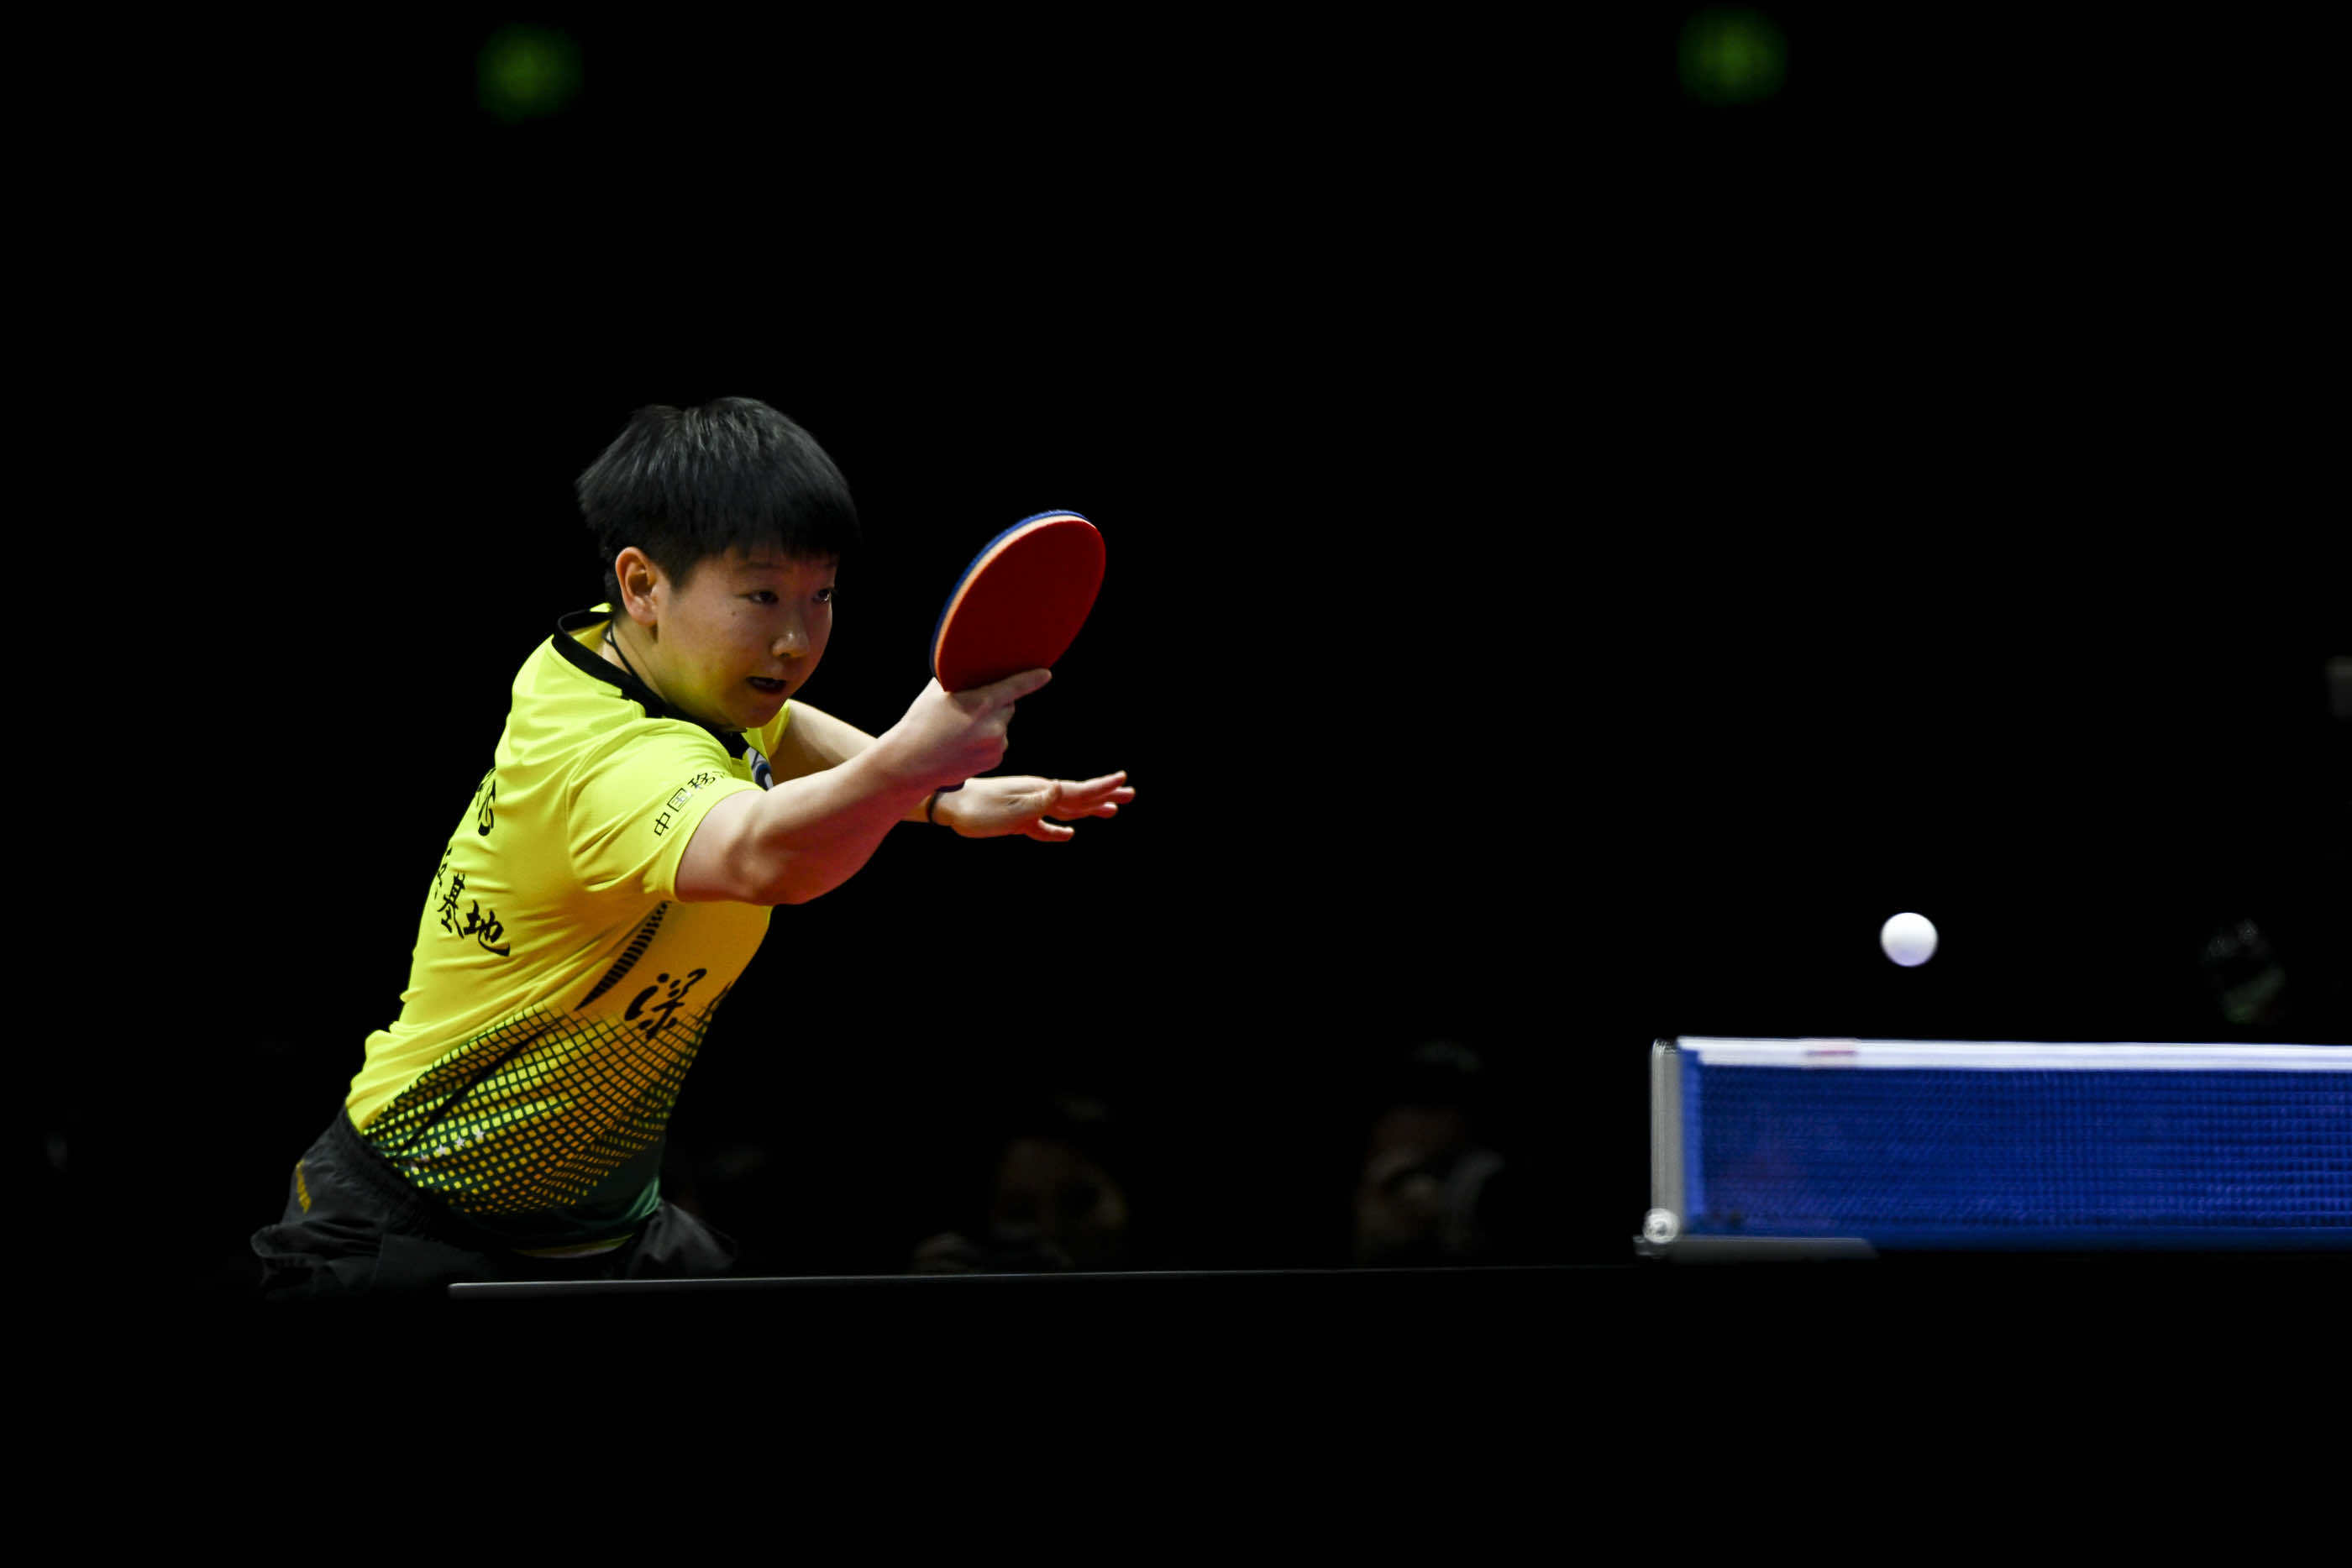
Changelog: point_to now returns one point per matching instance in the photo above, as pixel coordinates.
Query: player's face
(744, 634)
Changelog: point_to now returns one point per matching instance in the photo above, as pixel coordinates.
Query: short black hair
(684, 485)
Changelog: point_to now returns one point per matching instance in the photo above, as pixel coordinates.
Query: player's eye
(764, 596)
(825, 595)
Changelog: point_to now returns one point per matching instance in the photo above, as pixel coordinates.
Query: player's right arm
(816, 740)
(807, 836)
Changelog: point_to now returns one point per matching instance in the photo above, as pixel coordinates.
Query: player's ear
(637, 576)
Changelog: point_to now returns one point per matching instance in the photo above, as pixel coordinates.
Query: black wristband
(930, 805)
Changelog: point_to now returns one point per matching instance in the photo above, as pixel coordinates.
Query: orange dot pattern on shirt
(535, 1114)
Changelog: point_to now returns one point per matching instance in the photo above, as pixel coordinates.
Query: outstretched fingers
(1091, 798)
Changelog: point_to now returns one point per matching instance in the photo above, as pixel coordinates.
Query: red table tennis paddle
(1019, 605)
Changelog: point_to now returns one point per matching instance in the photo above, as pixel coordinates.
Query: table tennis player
(659, 787)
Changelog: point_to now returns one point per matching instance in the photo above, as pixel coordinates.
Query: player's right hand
(949, 736)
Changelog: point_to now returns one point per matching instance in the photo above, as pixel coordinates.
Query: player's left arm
(989, 808)
(1000, 806)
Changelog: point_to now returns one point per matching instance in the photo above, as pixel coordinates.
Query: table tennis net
(1998, 1146)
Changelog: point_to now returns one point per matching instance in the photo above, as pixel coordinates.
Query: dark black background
(1578, 562)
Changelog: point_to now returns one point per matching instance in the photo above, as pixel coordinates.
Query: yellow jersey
(559, 990)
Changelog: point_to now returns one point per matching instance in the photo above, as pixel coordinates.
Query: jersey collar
(635, 690)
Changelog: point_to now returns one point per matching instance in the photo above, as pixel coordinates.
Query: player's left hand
(999, 808)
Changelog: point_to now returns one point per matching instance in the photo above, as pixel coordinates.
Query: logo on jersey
(485, 927)
(762, 774)
(677, 802)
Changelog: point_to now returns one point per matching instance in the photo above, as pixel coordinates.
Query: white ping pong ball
(1909, 939)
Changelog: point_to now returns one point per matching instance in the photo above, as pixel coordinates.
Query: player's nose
(791, 642)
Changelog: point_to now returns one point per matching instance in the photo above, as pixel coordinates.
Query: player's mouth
(773, 687)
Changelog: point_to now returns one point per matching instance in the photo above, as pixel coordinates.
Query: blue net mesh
(1996, 1157)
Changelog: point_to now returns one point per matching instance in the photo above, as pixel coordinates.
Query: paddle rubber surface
(1020, 603)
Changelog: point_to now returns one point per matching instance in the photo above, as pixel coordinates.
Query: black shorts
(353, 1226)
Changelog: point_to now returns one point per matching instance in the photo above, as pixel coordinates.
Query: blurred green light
(528, 73)
(1731, 56)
